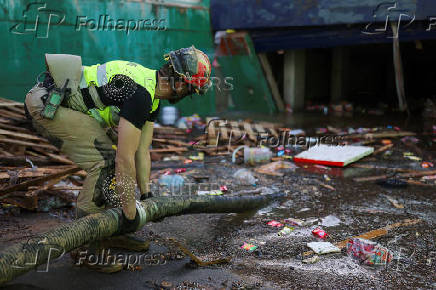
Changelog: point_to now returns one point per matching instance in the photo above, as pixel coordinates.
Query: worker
(77, 108)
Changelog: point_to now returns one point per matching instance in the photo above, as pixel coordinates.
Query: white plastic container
(253, 155)
(169, 115)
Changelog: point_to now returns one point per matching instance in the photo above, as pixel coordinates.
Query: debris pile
(33, 173)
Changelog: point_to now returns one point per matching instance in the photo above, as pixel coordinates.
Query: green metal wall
(250, 90)
(22, 55)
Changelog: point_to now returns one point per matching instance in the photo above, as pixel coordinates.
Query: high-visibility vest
(101, 74)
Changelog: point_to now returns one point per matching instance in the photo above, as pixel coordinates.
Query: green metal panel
(180, 23)
(250, 90)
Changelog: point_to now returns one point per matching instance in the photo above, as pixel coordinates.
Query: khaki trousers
(84, 141)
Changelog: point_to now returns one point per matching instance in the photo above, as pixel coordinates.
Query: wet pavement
(352, 208)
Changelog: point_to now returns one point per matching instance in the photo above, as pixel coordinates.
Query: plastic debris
(275, 224)
(285, 231)
(386, 141)
(187, 161)
(368, 252)
(199, 157)
(322, 248)
(330, 221)
(320, 233)
(429, 177)
(244, 177)
(223, 188)
(253, 155)
(312, 260)
(395, 202)
(426, 164)
(209, 192)
(248, 247)
(273, 167)
(294, 222)
(180, 170)
(172, 181)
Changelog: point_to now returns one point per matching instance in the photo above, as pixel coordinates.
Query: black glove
(128, 226)
(146, 195)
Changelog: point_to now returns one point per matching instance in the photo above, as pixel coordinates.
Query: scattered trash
(320, 233)
(333, 155)
(426, 164)
(174, 182)
(273, 167)
(368, 252)
(275, 224)
(285, 231)
(330, 221)
(253, 155)
(223, 188)
(410, 139)
(180, 170)
(411, 156)
(386, 141)
(209, 192)
(322, 248)
(199, 157)
(244, 177)
(395, 202)
(294, 222)
(312, 260)
(429, 177)
(169, 115)
(248, 247)
(327, 186)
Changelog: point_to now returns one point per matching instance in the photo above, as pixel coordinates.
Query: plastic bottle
(253, 155)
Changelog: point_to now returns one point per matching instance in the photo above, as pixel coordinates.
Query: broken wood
(401, 175)
(37, 181)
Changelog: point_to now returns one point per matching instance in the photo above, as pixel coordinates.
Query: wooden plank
(401, 175)
(171, 149)
(28, 172)
(25, 143)
(271, 81)
(37, 181)
(22, 135)
(60, 158)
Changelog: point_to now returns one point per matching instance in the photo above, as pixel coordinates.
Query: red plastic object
(180, 170)
(320, 233)
(223, 188)
(275, 224)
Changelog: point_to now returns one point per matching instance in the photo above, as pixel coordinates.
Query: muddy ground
(359, 206)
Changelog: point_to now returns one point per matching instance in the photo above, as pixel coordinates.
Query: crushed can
(320, 233)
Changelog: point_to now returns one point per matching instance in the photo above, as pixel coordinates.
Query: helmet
(193, 66)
